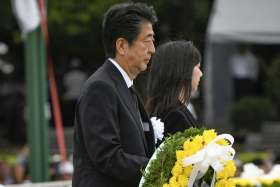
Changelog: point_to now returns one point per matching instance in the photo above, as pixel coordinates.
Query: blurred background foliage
(250, 113)
(273, 84)
(75, 31)
(75, 25)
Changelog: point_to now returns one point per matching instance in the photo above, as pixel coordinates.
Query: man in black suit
(113, 138)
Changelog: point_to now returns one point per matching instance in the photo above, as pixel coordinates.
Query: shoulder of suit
(181, 116)
(173, 113)
(101, 74)
(100, 82)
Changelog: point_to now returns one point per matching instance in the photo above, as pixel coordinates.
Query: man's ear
(121, 46)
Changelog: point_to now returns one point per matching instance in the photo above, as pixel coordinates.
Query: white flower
(158, 127)
(251, 171)
(274, 173)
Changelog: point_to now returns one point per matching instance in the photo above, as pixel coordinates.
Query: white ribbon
(212, 155)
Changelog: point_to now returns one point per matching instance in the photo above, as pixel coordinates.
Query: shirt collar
(126, 78)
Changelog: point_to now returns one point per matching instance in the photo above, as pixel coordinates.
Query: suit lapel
(126, 98)
(129, 102)
(149, 134)
(189, 116)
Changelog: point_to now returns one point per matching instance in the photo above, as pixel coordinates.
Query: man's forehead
(146, 30)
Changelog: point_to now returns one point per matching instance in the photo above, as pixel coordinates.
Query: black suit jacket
(178, 119)
(110, 147)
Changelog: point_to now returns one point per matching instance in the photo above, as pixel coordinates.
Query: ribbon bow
(212, 155)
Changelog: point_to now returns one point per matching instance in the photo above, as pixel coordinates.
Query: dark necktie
(135, 101)
(134, 97)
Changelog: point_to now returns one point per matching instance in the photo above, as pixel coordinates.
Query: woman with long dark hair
(175, 73)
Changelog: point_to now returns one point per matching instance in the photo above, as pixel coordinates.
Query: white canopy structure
(255, 21)
(233, 21)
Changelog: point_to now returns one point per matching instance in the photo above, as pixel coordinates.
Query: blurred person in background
(21, 168)
(6, 173)
(245, 71)
(66, 170)
(73, 81)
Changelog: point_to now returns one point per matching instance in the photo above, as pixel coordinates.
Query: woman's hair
(171, 76)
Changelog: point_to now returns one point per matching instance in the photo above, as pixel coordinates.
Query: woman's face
(196, 75)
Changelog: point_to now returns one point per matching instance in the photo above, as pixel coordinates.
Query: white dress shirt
(126, 78)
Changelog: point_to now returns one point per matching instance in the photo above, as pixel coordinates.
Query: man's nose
(152, 48)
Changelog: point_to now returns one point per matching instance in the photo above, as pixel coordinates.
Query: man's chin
(143, 67)
(194, 89)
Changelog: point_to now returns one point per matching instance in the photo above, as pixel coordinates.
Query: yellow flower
(242, 182)
(165, 185)
(190, 151)
(228, 170)
(173, 182)
(180, 155)
(225, 183)
(198, 142)
(187, 170)
(267, 182)
(187, 144)
(209, 135)
(177, 169)
(191, 147)
(277, 179)
(198, 139)
(183, 180)
(223, 142)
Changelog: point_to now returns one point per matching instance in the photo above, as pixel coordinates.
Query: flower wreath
(185, 157)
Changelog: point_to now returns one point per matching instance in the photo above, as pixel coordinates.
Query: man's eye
(149, 41)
